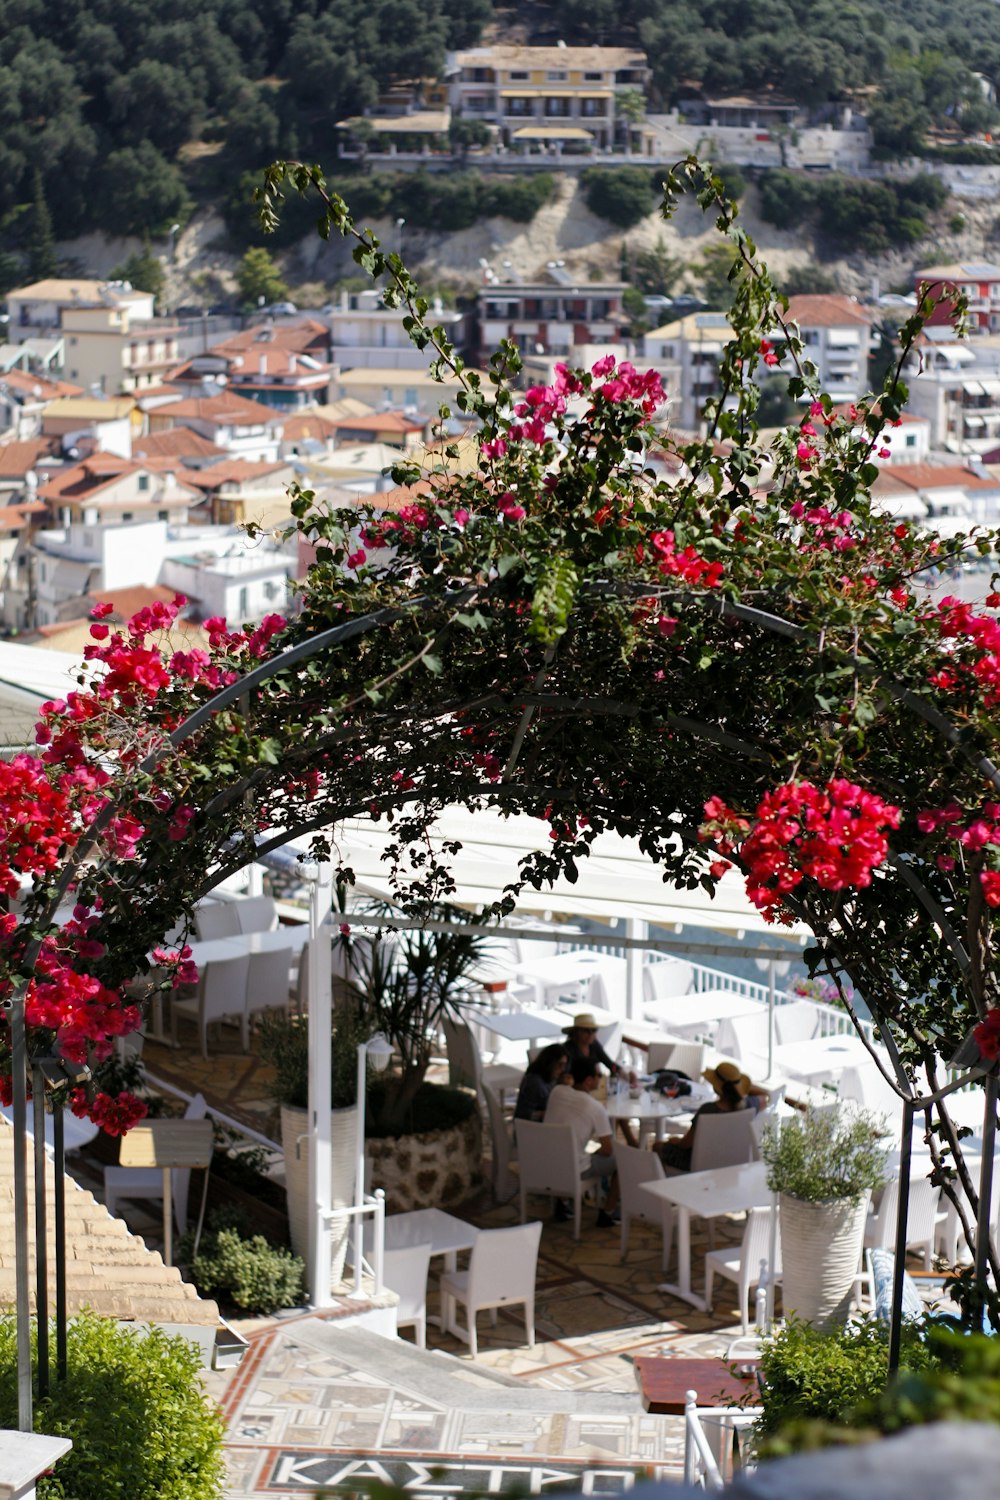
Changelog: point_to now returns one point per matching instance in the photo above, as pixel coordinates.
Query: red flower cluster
(115, 1116)
(971, 831)
(987, 1035)
(687, 564)
(957, 622)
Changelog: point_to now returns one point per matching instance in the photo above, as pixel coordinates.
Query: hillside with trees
(120, 116)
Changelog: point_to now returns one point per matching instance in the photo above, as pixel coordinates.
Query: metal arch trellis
(340, 635)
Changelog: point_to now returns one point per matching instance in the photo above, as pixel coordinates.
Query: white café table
(513, 1025)
(725, 1190)
(242, 943)
(445, 1234)
(651, 1110)
(822, 1059)
(696, 1014)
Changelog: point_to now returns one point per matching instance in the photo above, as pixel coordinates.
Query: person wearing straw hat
(733, 1091)
(581, 1041)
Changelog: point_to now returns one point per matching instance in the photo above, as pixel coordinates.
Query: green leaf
(555, 594)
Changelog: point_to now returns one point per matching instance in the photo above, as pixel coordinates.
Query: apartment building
(837, 333)
(563, 97)
(955, 385)
(364, 334)
(686, 353)
(112, 341)
(553, 315)
(977, 281)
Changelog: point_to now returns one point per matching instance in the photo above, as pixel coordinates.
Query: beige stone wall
(439, 1169)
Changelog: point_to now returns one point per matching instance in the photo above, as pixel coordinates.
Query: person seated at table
(550, 1067)
(733, 1091)
(581, 1041)
(588, 1120)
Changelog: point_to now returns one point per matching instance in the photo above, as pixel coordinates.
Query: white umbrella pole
(320, 1087)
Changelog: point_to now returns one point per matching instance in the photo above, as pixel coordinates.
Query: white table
(513, 1025)
(651, 1110)
(564, 973)
(250, 942)
(726, 1190)
(445, 1234)
(822, 1059)
(697, 1014)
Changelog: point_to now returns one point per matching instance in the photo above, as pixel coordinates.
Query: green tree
(140, 192)
(655, 271)
(464, 132)
(630, 108)
(258, 278)
(622, 195)
(715, 272)
(42, 260)
(144, 270)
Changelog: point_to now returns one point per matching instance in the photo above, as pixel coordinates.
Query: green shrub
(141, 1424)
(825, 1155)
(809, 1376)
(243, 1270)
(622, 195)
(433, 1107)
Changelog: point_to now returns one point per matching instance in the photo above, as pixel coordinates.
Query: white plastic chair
(922, 1218)
(466, 1068)
(222, 991)
(745, 1262)
(256, 913)
(267, 987)
(548, 1165)
(675, 976)
(502, 1267)
(635, 1167)
(504, 1181)
(744, 1038)
(404, 1272)
(723, 1140)
(147, 1182)
(684, 1057)
(799, 1021)
(216, 919)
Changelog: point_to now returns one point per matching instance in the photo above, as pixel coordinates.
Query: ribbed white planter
(820, 1253)
(296, 1143)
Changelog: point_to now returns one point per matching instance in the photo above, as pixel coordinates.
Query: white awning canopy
(617, 881)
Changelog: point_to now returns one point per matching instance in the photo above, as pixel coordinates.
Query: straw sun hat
(586, 1022)
(727, 1073)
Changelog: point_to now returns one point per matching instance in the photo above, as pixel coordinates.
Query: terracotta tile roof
(33, 387)
(232, 471)
(936, 476)
(129, 601)
(16, 517)
(225, 410)
(519, 55)
(822, 310)
(177, 442)
(380, 421)
(16, 458)
(107, 1268)
(75, 289)
(297, 338)
(82, 480)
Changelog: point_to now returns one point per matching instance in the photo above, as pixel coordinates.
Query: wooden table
(664, 1383)
(165, 1144)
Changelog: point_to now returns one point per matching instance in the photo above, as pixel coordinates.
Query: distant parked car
(686, 303)
(281, 309)
(658, 304)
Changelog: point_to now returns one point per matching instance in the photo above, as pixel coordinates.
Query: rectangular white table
(445, 1234)
(513, 1025)
(725, 1190)
(697, 1014)
(250, 942)
(822, 1059)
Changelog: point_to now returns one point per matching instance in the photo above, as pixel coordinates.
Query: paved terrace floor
(315, 1405)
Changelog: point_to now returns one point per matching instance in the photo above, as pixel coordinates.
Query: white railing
(332, 1221)
(832, 1022)
(711, 1442)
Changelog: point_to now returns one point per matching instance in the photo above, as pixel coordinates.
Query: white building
(244, 429)
(553, 315)
(687, 353)
(241, 582)
(955, 385)
(837, 333)
(364, 334)
(111, 338)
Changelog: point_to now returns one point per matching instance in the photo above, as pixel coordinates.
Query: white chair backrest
(267, 979)
(723, 1140)
(465, 1067)
(546, 1157)
(405, 1273)
(503, 1264)
(180, 1179)
(216, 919)
(504, 1183)
(256, 913)
(684, 1057)
(743, 1037)
(922, 1210)
(224, 987)
(797, 1022)
(674, 976)
(757, 1244)
(866, 1085)
(610, 1037)
(635, 1167)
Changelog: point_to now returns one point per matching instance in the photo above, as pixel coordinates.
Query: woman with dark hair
(548, 1068)
(733, 1091)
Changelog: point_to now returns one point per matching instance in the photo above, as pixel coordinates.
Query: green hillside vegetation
(846, 214)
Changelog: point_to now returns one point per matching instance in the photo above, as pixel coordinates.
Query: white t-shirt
(586, 1117)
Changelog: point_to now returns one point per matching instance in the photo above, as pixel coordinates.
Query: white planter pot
(296, 1144)
(820, 1254)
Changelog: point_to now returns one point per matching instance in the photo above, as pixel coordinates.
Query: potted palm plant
(824, 1167)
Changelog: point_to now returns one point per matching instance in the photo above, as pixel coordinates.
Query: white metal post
(634, 928)
(320, 1087)
(359, 1169)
